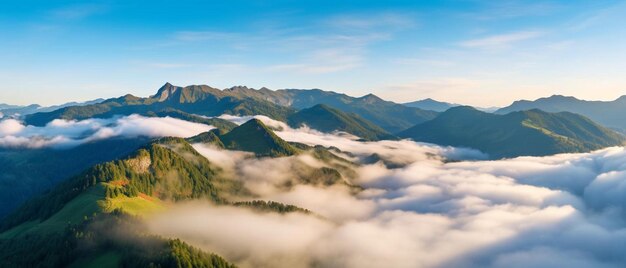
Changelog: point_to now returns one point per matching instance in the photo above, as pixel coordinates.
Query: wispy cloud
(168, 65)
(324, 61)
(388, 20)
(502, 40)
(510, 9)
(598, 17)
(76, 12)
(424, 62)
(191, 36)
(327, 45)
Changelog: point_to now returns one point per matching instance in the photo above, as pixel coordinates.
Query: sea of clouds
(61, 133)
(422, 205)
(558, 211)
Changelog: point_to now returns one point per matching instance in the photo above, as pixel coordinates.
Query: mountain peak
(325, 118)
(237, 88)
(321, 106)
(561, 97)
(370, 98)
(462, 108)
(166, 91)
(254, 136)
(431, 104)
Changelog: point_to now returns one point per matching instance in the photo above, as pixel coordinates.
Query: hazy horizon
(45, 104)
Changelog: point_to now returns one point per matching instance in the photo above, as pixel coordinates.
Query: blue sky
(484, 53)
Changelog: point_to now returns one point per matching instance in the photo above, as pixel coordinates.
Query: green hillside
(103, 206)
(166, 170)
(254, 136)
(102, 240)
(531, 132)
(26, 173)
(209, 137)
(327, 119)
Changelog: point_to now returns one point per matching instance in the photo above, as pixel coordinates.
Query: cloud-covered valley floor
(422, 205)
(557, 211)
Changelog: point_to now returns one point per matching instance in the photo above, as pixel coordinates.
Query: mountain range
(370, 117)
(86, 206)
(532, 132)
(608, 113)
(14, 110)
(279, 104)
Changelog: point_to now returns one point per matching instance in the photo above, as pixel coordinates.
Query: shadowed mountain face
(325, 118)
(279, 104)
(611, 114)
(532, 132)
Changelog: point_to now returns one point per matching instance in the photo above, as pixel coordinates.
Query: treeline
(116, 236)
(270, 206)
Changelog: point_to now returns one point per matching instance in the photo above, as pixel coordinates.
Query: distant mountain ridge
(325, 118)
(13, 110)
(433, 105)
(388, 115)
(9, 106)
(240, 100)
(608, 113)
(201, 100)
(532, 132)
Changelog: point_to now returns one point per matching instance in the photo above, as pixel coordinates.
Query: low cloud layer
(63, 133)
(399, 152)
(558, 211)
